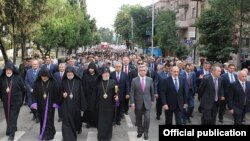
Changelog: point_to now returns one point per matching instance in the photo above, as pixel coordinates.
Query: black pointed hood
(9, 65)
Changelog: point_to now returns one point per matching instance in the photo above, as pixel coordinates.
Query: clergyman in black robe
(89, 84)
(45, 100)
(73, 102)
(106, 98)
(12, 90)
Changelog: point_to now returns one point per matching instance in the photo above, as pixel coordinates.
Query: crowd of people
(98, 89)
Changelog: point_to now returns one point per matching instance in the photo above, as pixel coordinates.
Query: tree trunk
(39, 48)
(57, 49)
(5, 56)
(23, 44)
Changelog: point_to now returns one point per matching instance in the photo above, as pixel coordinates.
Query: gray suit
(143, 102)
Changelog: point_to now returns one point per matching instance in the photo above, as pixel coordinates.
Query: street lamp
(152, 42)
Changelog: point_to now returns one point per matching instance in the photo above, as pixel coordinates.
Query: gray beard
(105, 78)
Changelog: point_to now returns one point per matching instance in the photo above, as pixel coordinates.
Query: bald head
(175, 71)
(242, 75)
(35, 64)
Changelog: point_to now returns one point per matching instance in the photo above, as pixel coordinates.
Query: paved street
(28, 130)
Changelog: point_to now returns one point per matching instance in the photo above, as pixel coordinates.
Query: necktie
(176, 85)
(232, 78)
(189, 80)
(142, 84)
(34, 73)
(126, 69)
(216, 89)
(243, 86)
(61, 75)
(244, 89)
(117, 77)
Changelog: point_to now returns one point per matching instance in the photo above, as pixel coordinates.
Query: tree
(166, 33)
(218, 27)
(141, 19)
(106, 35)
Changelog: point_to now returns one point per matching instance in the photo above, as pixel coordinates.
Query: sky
(104, 11)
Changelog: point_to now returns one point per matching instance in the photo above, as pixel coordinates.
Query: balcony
(182, 24)
(183, 3)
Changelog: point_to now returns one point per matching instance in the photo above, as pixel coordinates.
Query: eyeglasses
(142, 70)
(140, 63)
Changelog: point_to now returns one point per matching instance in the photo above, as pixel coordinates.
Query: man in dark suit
(225, 68)
(228, 78)
(59, 76)
(127, 69)
(191, 89)
(239, 98)
(121, 79)
(166, 71)
(51, 67)
(210, 93)
(142, 97)
(202, 72)
(173, 95)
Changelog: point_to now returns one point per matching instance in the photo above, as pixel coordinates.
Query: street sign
(189, 42)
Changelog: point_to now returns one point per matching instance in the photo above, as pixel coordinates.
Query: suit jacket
(58, 78)
(164, 75)
(170, 96)
(30, 79)
(226, 83)
(206, 92)
(154, 75)
(198, 73)
(140, 98)
(237, 97)
(193, 81)
(123, 84)
(130, 68)
(52, 69)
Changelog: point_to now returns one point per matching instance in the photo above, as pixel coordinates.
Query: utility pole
(240, 40)
(132, 33)
(196, 38)
(152, 36)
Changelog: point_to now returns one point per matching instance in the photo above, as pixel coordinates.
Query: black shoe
(37, 120)
(139, 135)
(60, 119)
(189, 121)
(145, 136)
(191, 116)
(11, 138)
(126, 113)
(243, 120)
(221, 120)
(118, 123)
(158, 117)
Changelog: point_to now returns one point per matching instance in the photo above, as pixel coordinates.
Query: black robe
(12, 101)
(45, 107)
(89, 84)
(71, 108)
(105, 108)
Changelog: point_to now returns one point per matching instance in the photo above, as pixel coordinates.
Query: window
(193, 13)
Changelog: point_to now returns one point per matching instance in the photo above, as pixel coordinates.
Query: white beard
(70, 77)
(105, 78)
(9, 75)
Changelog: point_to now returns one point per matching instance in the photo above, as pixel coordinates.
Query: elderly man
(210, 94)
(238, 98)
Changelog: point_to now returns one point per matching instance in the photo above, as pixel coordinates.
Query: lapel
(172, 83)
(240, 87)
(212, 82)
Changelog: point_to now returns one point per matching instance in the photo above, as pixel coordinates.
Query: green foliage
(140, 17)
(216, 26)
(166, 33)
(67, 26)
(106, 35)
